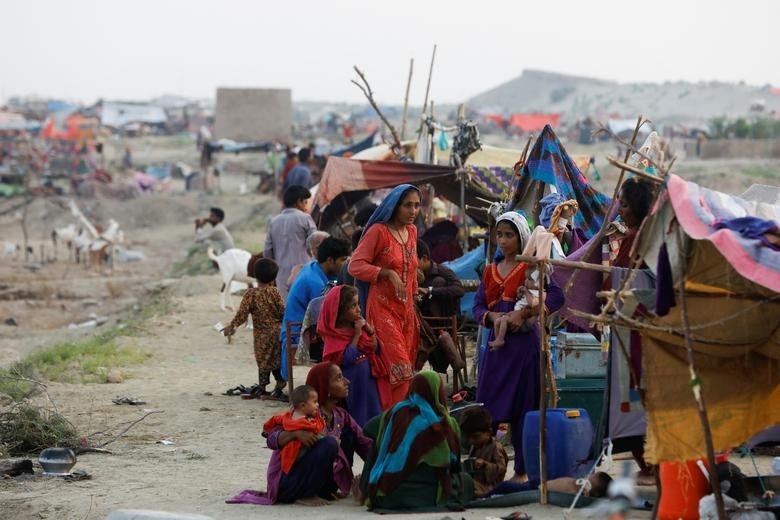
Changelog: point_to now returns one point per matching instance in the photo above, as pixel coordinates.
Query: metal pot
(57, 461)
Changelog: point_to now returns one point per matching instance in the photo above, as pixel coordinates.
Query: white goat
(65, 234)
(233, 265)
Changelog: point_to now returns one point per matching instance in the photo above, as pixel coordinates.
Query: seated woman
(415, 461)
(324, 472)
(351, 343)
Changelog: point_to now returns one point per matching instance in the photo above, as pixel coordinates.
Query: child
(595, 487)
(304, 415)
(266, 306)
(488, 455)
(527, 296)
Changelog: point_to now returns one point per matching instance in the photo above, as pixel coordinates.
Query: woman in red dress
(385, 266)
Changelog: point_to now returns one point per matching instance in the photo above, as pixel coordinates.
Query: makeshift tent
(118, 115)
(548, 165)
(345, 181)
(349, 151)
(533, 122)
(732, 280)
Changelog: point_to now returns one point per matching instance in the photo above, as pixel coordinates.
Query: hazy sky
(136, 49)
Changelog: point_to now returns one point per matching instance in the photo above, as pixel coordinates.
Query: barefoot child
(304, 415)
(265, 305)
(527, 296)
(488, 455)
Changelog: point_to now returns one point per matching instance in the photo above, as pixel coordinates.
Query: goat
(65, 234)
(232, 267)
(11, 249)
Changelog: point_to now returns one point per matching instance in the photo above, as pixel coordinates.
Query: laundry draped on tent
(549, 164)
(732, 280)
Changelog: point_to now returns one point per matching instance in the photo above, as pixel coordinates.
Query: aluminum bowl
(57, 461)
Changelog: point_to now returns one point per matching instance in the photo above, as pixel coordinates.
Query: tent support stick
(541, 266)
(428, 87)
(566, 263)
(697, 394)
(406, 99)
(600, 236)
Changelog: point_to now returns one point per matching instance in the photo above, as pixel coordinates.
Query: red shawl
(336, 340)
(287, 423)
(497, 288)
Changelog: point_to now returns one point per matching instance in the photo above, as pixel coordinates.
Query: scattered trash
(204, 409)
(77, 475)
(129, 255)
(166, 442)
(207, 393)
(128, 400)
(219, 327)
(89, 324)
(13, 468)
(11, 322)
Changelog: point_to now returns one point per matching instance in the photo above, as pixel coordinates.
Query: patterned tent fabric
(497, 179)
(549, 163)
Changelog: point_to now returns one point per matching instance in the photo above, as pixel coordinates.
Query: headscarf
(319, 379)
(506, 289)
(381, 215)
(336, 341)
(416, 430)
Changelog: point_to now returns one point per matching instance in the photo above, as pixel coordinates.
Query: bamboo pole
(428, 87)
(634, 170)
(697, 394)
(541, 265)
(406, 99)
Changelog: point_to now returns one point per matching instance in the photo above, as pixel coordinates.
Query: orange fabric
(287, 423)
(394, 320)
(497, 288)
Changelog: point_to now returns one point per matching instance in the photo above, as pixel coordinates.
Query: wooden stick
(600, 235)
(147, 414)
(543, 390)
(406, 99)
(566, 263)
(697, 394)
(634, 170)
(428, 87)
(370, 96)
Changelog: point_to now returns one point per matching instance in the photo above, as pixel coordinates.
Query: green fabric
(439, 455)
(421, 490)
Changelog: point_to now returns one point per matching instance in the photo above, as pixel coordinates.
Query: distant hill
(577, 97)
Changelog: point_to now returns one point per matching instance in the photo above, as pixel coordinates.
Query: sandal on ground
(233, 391)
(278, 395)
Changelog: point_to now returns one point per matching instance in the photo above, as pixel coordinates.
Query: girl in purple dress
(512, 389)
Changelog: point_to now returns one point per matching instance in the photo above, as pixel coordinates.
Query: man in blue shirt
(301, 174)
(308, 285)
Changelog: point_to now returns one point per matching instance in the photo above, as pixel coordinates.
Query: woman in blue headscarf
(385, 267)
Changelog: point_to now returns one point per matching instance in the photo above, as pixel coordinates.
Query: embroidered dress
(394, 320)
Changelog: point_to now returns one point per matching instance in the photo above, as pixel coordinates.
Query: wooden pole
(566, 263)
(406, 99)
(697, 394)
(541, 266)
(428, 87)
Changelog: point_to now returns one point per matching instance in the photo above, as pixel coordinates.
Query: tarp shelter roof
(117, 115)
(14, 121)
(548, 163)
(363, 144)
(733, 300)
(346, 180)
(533, 122)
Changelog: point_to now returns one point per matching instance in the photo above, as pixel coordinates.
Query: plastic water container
(569, 439)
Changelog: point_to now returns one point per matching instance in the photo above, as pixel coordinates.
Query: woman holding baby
(512, 389)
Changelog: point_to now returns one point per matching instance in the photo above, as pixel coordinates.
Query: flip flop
(233, 391)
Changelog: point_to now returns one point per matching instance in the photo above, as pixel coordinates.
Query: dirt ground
(217, 450)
